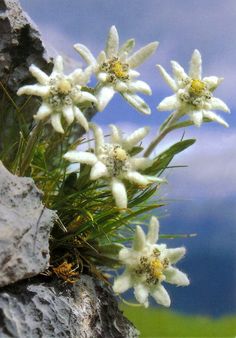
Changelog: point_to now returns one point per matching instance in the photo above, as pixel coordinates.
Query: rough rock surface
(20, 46)
(83, 310)
(25, 226)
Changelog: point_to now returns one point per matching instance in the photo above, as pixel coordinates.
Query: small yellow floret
(156, 268)
(120, 154)
(118, 69)
(64, 87)
(197, 87)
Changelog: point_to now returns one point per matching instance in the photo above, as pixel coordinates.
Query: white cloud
(211, 167)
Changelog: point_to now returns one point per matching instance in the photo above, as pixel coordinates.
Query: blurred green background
(162, 323)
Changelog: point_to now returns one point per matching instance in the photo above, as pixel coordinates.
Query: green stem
(169, 126)
(28, 153)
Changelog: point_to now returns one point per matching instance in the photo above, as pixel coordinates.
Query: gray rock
(20, 46)
(83, 310)
(25, 226)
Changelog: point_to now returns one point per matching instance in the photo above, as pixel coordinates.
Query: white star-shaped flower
(193, 94)
(61, 94)
(115, 72)
(113, 161)
(147, 265)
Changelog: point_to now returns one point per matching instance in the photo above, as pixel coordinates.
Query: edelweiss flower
(115, 71)
(148, 265)
(60, 94)
(114, 162)
(193, 95)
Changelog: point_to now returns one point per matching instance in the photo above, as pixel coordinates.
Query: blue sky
(209, 183)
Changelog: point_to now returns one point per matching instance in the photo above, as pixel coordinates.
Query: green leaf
(135, 150)
(162, 160)
(172, 236)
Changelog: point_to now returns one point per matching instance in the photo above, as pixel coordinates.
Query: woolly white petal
(139, 241)
(81, 157)
(178, 71)
(79, 116)
(174, 255)
(86, 96)
(169, 80)
(122, 283)
(153, 231)
(86, 75)
(168, 103)
(141, 162)
(40, 76)
(141, 294)
(56, 122)
(74, 167)
(195, 67)
(98, 170)
(85, 53)
(175, 276)
(112, 43)
(212, 81)
(135, 137)
(124, 255)
(68, 113)
(133, 73)
(139, 86)
(214, 117)
(76, 76)
(102, 76)
(196, 117)
(142, 54)
(153, 179)
(121, 86)
(58, 65)
(127, 47)
(98, 135)
(219, 105)
(116, 135)
(104, 96)
(119, 193)
(123, 57)
(44, 111)
(137, 103)
(101, 57)
(36, 89)
(161, 296)
(137, 178)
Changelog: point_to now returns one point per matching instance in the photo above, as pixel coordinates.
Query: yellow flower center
(152, 267)
(64, 86)
(156, 268)
(197, 87)
(119, 69)
(120, 154)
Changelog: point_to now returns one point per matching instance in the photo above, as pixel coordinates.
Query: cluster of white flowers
(193, 94)
(115, 71)
(61, 95)
(147, 264)
(113, 162)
